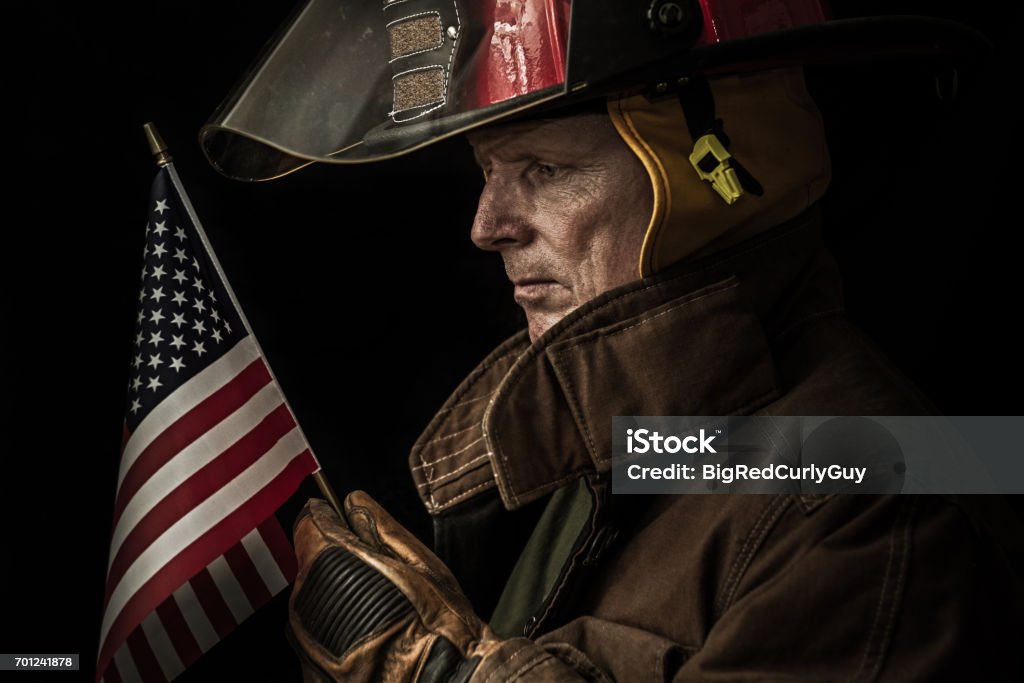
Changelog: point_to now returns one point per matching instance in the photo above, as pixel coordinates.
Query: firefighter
(653, 175)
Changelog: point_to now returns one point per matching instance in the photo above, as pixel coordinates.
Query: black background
(363, 286)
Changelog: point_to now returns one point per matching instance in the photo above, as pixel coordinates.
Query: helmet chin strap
(710, 157)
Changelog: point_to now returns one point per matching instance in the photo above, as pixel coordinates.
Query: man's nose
(500, 221)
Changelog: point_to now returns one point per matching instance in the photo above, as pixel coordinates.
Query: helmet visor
(350, 82)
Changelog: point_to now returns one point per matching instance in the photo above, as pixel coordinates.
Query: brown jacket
(716, 587)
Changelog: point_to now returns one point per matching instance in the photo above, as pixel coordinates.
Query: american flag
(211, 450)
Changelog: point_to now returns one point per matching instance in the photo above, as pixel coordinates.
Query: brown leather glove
(371, 603)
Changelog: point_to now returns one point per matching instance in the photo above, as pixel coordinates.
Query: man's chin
(539, 323)
(536, 330)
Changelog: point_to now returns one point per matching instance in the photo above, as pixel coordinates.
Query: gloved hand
(372, 603)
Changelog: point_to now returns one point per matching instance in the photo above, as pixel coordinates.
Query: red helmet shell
(525, 41)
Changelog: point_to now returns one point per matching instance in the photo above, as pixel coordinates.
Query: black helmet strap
(698, 104)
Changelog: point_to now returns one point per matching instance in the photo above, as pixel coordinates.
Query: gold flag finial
(157, 145)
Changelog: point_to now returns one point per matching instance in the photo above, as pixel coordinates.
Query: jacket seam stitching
(444, 505)
(441, 479)
(453, 434)
(499, 461)
(812, 501)
(577, 660)
(522, 668)
(864, 672)
(445, 411)
(442, 459)
(448, 456)
(764, 524)
(530, 664)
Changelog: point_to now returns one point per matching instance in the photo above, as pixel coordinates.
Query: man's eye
(546, 170)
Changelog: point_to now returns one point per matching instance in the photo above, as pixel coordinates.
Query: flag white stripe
(192, 458)
(199, 520)
(126, 665)
(195, 617)
(185, 398)
(229, 587)
(264, 561)
(160, 643)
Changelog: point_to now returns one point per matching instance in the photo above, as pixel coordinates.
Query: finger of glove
(374, 526)
(317, 527)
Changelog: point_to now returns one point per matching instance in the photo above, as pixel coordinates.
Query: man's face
(566, 204)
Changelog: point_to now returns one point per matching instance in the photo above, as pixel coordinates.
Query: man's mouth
(532, 290)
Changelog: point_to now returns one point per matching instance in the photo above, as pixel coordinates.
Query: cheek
(611, 261)
(565, 221)
(582, 240)
(616, 228)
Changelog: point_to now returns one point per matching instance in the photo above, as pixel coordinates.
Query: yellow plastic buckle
(710, 159)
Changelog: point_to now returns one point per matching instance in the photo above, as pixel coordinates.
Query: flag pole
(157, 145)
(163, 158)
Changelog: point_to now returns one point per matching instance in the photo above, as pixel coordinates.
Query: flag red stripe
(248, 578)
(178, 631)
(145, 660)
(280, 547)
(203, 483)
(111, 675)
(204, 550)
(189, 427)
(216, 608)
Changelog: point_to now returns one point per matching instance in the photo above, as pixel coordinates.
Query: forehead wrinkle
(537, 138)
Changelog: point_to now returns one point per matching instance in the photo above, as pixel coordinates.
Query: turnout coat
(514, 469)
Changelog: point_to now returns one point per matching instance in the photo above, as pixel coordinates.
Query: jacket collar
(693, 340)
